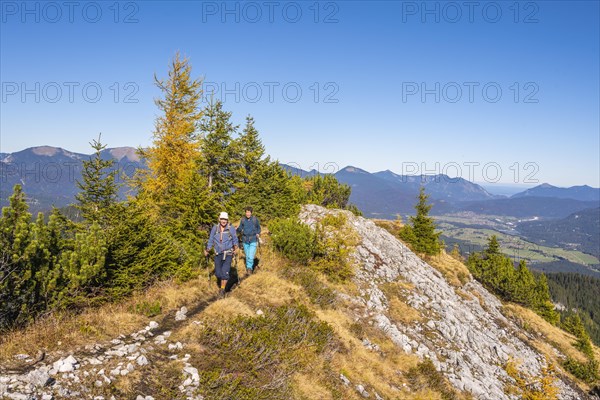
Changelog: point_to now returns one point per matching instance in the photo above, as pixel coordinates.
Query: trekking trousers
(223, 265)
(250, 252)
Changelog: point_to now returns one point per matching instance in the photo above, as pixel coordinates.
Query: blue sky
(501, 92)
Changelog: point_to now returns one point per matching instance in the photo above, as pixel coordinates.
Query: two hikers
(223, 238)
(250, 230)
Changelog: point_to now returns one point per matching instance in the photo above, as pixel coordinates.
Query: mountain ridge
(49, 176)
(581, 192)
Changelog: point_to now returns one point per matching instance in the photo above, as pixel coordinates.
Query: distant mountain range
(583, 193)
(386, 194)
(49, 174)
(525, 207)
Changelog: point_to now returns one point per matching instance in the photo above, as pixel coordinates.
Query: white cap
(223, 215)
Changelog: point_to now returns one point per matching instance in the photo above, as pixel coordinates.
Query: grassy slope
(312, 370)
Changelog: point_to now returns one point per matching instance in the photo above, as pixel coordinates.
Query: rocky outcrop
(467, 338)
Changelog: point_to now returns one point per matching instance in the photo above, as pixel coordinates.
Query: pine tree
(15, 270)
(572, 323)
(98, 189)
(426, 240)
(498, 274)
(83, 267)
(59, 238)
(542, 302)
(327, 191)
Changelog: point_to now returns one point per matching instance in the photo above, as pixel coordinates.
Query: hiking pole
(207, 268)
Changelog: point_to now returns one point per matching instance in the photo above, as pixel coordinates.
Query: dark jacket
(222, 241)
(249, 228)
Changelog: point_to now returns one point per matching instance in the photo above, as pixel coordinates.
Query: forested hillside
(580, 231)
(580, 292)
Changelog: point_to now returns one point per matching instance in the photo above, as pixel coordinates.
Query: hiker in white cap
(224, 240)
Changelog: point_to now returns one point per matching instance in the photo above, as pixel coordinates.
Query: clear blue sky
(405, 86)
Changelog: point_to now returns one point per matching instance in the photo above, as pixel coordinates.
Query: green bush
(148, 308)
(325, 250)
(293, 239)
(327, 191)
(318, 293)
(335, 242)
(255, 357)
(354, 210)
(587, 372)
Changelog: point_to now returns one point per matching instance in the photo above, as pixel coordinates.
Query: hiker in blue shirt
(250, 229)
(225, 242)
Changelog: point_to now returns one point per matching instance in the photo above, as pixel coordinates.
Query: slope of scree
(467, 338)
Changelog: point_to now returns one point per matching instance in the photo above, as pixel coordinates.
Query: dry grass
(70, 331)
(401, 312)
(392, 227)
(62, 331)
(398, 289)
(307, 387)
(455, 272)
(229, 307)
(548, 338)
(267, 289)
(382, 372)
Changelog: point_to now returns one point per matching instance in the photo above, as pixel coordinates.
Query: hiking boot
(221, 293)
(248, 271)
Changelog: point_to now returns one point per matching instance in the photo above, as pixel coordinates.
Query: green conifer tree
(426, 240)
(327, 191)
(15, 269)
(524, 286)
(220, 161)
(98, 189)
(272, 192)
(493, 247)
(83, 267)
(251, 148)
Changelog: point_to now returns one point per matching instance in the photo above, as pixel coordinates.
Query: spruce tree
(426, 240)
(493, 247)
(98, 188)
(220, 161)
(272, 192)
(251, 149)
(524, 286)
